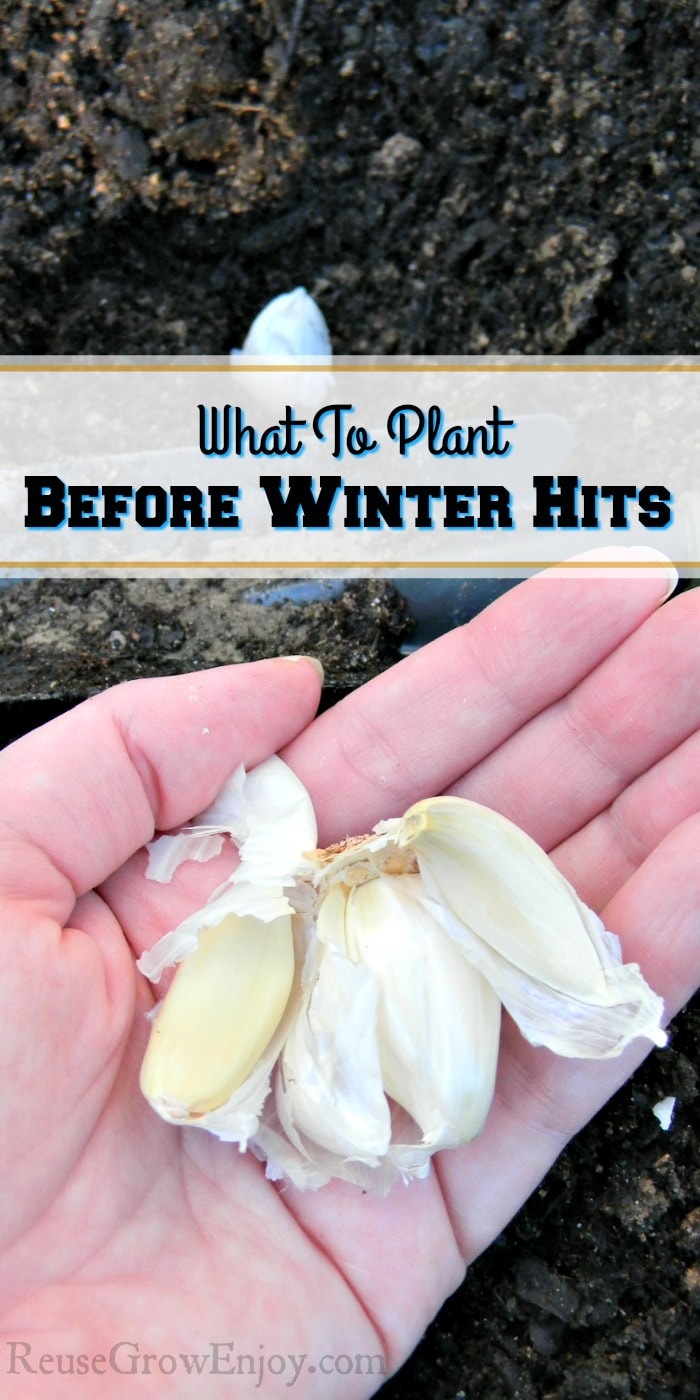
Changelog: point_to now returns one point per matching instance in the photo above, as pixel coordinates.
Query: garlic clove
(438, 1020)
(225, 1003)
(329, 1087)
(289, 325)
(557, 970)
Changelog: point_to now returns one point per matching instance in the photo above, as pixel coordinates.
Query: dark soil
(70, 639)
(462, 177)
(446, 176)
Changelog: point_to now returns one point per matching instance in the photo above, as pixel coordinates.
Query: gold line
(306, 566)
(398, 368)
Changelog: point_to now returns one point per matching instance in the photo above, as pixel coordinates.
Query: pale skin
(571, 706)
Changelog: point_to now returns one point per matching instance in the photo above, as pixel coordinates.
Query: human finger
(420, 726)
(573, 759)
(603, 854)
(84, 792)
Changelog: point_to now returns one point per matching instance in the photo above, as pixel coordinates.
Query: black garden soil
(462, 177)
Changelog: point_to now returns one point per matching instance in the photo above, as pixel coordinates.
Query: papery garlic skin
(329, 1090)
(268, 814)
(365, 997)
(397, 1014)
(438, 1021)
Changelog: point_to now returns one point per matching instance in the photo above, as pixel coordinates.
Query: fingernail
(312, 660)
(641, 559)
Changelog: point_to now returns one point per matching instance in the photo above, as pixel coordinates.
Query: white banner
(356, 467)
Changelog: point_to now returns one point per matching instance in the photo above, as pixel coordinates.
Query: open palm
(128, 1246)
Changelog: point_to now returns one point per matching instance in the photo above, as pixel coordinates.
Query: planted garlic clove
(290, 325)
(291, 329)
(219, 1015)
(438, 1021)
(557, 970)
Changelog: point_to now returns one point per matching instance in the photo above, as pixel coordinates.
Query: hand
(574, 708)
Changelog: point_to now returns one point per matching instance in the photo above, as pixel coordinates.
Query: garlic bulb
(339, 1010)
